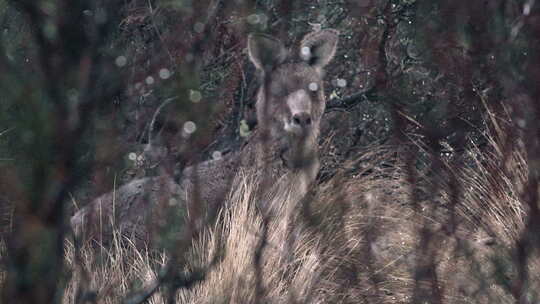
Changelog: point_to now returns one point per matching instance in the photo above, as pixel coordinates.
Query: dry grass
(359, 237)
(281, 270)
(107, 275)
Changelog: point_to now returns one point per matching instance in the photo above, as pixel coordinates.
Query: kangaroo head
(290, 101)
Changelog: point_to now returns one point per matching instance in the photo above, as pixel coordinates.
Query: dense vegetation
(428, 191)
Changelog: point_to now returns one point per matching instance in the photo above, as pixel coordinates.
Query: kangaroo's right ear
(266, 52)
(318, 48)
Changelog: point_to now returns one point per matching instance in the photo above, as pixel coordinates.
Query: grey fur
(290, 105)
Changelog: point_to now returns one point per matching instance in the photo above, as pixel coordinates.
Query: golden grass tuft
(107, 275)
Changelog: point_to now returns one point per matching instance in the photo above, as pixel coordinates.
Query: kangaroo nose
(302, 119)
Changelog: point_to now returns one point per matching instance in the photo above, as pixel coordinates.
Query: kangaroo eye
(296, 120)
(308, 121)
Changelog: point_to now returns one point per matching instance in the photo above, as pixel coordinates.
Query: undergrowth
(364, 235)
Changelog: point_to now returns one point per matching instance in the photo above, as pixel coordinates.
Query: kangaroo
(289, 107)
(290, 101)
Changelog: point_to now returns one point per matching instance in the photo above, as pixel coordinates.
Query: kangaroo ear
(266, 52)
(318, 48)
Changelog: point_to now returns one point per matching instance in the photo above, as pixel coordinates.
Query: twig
(258, 263)
(179, 281)
(6, 131)
(349, 101)
(158, 33)
(154, 117)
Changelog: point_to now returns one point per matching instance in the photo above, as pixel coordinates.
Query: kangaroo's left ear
(318, 48)
(266, 52)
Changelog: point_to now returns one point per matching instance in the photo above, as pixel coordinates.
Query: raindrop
(138, 86)
(521, 123)
(149, 80)
(195, 96)
(120, 61)
(253, 19)
(189, 57)
(73, 95)
(164, 73)
(313, 86)
(263, 19)
(316, 27)
(217, 155)
(190, 127)
(369, 197)
(88, 13)
(132, 156)
(341, 82)
(527, 9)
(305, 53)
(50, 30)
(198, 27)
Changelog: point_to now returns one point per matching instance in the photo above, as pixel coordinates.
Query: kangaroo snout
(298, 124)
(302, 119)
